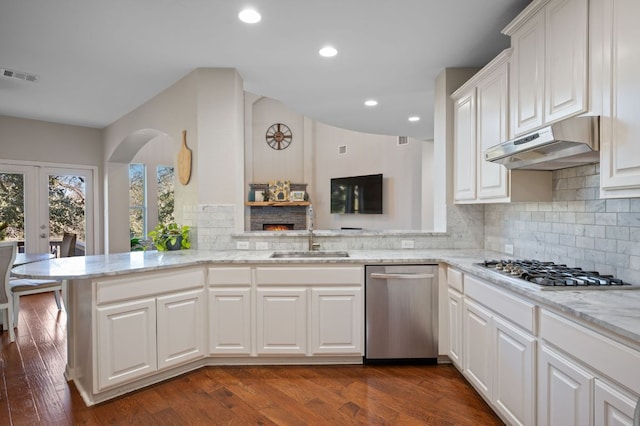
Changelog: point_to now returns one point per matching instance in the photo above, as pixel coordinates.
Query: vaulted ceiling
(98, 60)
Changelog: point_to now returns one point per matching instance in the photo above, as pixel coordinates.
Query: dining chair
(7, 256)
(25, 286)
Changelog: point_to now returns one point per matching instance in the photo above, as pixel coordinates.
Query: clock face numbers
(279, 136)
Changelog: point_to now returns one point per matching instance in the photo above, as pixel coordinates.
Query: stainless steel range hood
(569, 143)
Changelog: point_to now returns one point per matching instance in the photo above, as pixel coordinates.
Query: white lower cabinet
(612, 405)
(282, 321)
(564, 390)
(146, 323)
(514, 373)
(477, 347)
(126, 341)
(181, 337)
(499, 354)
(230, 321)
(336, 321)
(584, 377)
(454, 301)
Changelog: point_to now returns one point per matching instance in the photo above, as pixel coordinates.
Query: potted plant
(170, 237)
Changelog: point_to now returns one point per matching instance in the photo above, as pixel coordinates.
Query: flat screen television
(357, 194)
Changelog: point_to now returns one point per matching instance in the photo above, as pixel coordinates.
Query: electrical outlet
(508, 248)
(407, 244)
(262, 245)
(242, 245)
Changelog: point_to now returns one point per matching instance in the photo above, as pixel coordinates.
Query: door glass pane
(67, 209)
(12, 208)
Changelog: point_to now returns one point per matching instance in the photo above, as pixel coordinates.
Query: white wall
(367, 154)
(268, 163)
(312, 159)
(33, 140)
(208, 103)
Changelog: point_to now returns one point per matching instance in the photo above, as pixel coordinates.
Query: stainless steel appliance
(553, 276)
(401, 314)
(568, 143)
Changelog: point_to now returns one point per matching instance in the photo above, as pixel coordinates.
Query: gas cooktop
(553, 276)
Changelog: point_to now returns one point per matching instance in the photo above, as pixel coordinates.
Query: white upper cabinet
(549, 63)
(527, 83)
(465, 145)
(620, 122)
(492, 99)
(481, 116)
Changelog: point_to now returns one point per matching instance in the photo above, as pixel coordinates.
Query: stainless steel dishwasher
(401, 314)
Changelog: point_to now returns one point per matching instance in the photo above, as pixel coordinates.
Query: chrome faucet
(312, 246)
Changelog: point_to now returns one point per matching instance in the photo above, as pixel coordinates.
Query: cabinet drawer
(593, 349)
(229, 276)
(516, 310)
(310, 276)
(141, 285)
(454, 279)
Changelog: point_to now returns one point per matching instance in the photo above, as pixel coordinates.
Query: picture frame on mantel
(296, 196)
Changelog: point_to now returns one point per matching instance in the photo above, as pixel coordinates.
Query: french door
(40, 203)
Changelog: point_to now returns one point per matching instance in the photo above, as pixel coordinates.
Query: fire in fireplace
(277, 226)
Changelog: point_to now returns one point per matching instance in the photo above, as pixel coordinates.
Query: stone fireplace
(287, 217)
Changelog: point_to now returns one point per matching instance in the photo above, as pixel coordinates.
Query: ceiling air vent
(342, 149)
(18, 75)
(403, 140)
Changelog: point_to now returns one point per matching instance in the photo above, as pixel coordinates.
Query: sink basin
(308, 254)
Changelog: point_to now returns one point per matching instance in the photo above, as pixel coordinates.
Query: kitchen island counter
(613, 310)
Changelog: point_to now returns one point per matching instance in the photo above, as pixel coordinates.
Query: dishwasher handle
(407, 276)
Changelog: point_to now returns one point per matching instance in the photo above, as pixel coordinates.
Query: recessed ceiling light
(414, 118)
(249, 16)
(328, 51)
(371, 102)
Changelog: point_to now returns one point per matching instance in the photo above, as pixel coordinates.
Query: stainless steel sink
(308, 254)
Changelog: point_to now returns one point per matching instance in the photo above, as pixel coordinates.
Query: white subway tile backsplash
(591, 233)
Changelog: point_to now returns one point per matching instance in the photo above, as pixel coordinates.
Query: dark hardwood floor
(33, 390)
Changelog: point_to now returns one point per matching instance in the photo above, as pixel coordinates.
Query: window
(137, 200)
(165, 194)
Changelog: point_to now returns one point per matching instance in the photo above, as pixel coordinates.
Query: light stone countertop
(615, 311)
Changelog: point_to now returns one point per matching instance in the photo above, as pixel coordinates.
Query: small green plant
(167, 237)
(3, 230)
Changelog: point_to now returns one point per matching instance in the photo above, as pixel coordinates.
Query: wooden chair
(26, 286)
(7, 256)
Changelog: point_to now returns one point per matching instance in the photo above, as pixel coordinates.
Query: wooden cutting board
(184, 161)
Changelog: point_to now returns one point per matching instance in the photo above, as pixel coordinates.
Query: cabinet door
(337, 321)
(282, 321)
(612, 406)
(566, 47)
(181, 335)
(514, 373)
(478, 347)
(454, 299)
(126, 342)
(526, 77)
(620, 127)
(230, 321)
(464, 146)
(492, 129)
(564, 391)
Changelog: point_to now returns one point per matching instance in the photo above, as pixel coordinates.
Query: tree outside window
(137, 200)
(165, 176)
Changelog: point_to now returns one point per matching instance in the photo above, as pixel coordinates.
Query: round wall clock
(279, 136)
